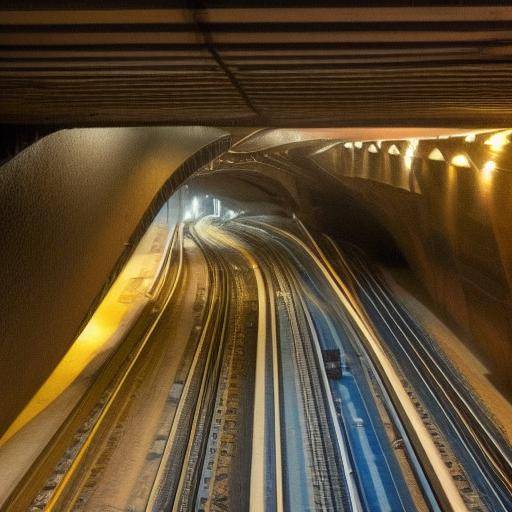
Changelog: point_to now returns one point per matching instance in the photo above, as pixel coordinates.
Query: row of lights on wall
(496, 141)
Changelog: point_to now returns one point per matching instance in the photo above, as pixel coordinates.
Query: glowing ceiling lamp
(358, 144)
(489, 166)
(393, 150)
(498, 140)
(487, 171)
(461, 160)
(372, 149)
(436, 155)
(470, 137)
(348, 145)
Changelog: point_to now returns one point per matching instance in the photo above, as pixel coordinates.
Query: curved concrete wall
(70, 211)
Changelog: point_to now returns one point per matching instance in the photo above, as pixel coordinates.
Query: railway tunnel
(227, 140)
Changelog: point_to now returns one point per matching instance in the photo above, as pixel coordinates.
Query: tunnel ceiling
(365, 63)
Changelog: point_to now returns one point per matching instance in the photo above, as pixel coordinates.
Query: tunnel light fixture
(436, 155)
(348, 145)
(489, 166)
(358, 144)
(470, 137)
(393, 150)
(195, 207)
(409, 153)
(488, 169)
(379, 144)
(498, 140)
(373, 149)
(461, 160)
(487, 172)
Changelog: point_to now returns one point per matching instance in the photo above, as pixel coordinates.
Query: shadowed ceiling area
(227, 63)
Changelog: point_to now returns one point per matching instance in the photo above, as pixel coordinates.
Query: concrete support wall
(70, 212)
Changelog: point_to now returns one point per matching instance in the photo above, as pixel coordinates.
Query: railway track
(177, 475)
(440, 382)
(400, 428)
(227, 446)
(52, 483)
(328, 489)
(204, 465)
(490, 453)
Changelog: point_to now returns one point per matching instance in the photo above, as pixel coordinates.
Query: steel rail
(270, 305)
(187, 490)
(221, 399)
(507, 460)
(344, 450)
(257, 488)
(306, 395)
(415, 464)
(391, 409)
(280, 273)
(278, 455)
(160, 495)
(397, 422)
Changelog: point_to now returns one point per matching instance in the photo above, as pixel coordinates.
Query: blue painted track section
(296, 470)
(495, 500)
(379, 476)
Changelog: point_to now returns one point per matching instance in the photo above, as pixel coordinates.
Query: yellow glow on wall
(498, 140)
(488, 171)
(489, 166)
(100, 332)
(436, 155)
(461, 160)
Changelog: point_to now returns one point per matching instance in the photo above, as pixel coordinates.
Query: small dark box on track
(332, 363)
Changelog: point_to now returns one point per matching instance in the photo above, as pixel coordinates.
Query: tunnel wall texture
(72, 207)
(448, 205)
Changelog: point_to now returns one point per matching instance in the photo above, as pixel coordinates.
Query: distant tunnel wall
(444, 203)
(72, 207)
(448, 205)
